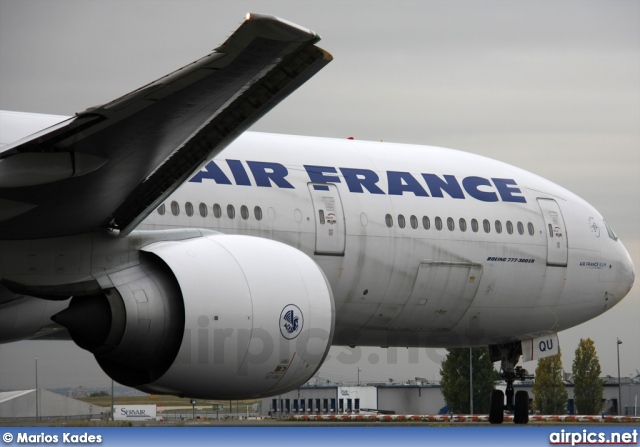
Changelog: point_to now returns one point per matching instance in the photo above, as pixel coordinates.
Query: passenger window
(451, 224)
(204, 211)
(257, 212)
(498, 227)
(231, 211)
(474, 225)
(486, 225)
(530, 227)
(244, 212)
(438, 223)
(389, 220)
(321, 216)
(188, 208)
(175, 208)
(414, 222)
(462, 224)
(161, 209)
(520, 228)
(217, 211)
(426, 222)
(401, 221)
(509, 227)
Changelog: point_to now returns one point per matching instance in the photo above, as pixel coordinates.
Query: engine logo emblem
(594, 227)
(291, 321)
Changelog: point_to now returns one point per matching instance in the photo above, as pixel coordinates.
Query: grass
(167, 401)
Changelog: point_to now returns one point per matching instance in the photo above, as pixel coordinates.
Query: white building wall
(22, 404)
(410, 399)
(355, 398)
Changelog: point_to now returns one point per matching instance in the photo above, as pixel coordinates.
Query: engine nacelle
(218, 317)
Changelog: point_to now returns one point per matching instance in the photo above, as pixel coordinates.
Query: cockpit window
(610, 232)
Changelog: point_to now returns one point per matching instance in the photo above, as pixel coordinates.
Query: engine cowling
(218, 317)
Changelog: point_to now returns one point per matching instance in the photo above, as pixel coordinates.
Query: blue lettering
(213, 172)
(356, 179)
(264, 173)
(471, 185)
(316, 175)
(449, 185)
(239, 174)
(506, 192)
(400, 182)
(268, 174)
(545, 345)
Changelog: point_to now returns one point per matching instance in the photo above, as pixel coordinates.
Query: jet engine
(218, 317)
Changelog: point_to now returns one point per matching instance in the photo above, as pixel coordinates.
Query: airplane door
(329, 217)
(441, 294)
(557, 248)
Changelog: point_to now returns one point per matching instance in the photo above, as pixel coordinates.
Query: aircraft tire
(496, 409)
(521, 413)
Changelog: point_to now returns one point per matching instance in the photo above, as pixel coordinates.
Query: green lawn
(164, 401)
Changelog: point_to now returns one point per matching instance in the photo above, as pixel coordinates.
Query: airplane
(195, 258)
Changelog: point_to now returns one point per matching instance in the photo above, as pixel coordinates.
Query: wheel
(496, 411)
(521, 413)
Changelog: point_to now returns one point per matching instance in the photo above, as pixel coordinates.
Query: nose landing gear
(509, 355)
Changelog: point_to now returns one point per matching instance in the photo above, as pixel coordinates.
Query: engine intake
(135, 329)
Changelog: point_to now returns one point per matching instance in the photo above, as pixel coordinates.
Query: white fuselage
(422, 246)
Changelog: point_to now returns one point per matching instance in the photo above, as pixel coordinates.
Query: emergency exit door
(329, 218)
(557, 247)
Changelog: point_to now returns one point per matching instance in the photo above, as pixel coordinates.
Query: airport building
(26, 404)
(417, 398)
(629, 394)
(414, 398)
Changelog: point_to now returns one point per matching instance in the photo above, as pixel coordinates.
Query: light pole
(618, 343)
(359, 376)
(112, 409)
(37, 399)
(471, 379)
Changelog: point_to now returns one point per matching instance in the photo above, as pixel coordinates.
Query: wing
(111, 165)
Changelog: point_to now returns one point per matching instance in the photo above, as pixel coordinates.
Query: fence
(631, 411)
(184, 414)
(80, 417)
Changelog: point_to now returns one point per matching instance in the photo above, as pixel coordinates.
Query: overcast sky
(550, 86)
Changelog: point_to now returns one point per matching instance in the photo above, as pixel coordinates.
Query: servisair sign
(134, 412)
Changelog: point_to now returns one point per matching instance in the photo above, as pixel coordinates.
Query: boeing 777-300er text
(194, 259)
